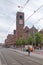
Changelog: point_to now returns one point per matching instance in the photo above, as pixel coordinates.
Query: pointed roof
(33, 28)
(26, 29)
(41, 31)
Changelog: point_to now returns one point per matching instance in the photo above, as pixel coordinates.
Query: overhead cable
(34, 12)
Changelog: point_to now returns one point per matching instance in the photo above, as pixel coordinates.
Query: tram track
(30, 58)
(15, 57)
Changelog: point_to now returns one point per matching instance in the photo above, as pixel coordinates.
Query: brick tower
(19, 24)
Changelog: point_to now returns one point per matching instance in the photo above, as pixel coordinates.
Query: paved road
(36, 53)
(11, 57)
(39, 52)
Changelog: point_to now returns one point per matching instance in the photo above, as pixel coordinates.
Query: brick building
(41, 31)
(20, 31)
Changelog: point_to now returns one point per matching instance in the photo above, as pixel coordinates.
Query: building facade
(20, 32)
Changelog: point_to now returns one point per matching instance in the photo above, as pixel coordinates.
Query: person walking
(29, 51)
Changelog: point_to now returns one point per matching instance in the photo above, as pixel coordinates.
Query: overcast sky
(8, 9)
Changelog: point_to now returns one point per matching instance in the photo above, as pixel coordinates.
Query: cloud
(3, 23)
(2, 37)
(8, 9)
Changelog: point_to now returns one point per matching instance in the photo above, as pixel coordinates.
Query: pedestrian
(29, 51)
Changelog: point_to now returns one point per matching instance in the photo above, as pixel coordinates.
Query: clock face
(20, 21)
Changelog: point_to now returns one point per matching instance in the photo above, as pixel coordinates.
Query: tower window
(20, 16)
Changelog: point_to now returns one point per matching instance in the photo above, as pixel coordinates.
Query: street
(11, 57)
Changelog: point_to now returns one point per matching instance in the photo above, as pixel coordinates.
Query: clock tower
(19, 24)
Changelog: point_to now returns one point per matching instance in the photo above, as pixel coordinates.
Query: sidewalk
(39, 52)
(35, 54)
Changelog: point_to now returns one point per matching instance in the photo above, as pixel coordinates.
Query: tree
(23, 41)
(30, 40)
(42, 38)
(38, 38)
(20, 42)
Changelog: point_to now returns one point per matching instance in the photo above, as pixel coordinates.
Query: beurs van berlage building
(20, 32)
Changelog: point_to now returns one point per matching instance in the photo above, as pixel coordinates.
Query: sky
(33, 15)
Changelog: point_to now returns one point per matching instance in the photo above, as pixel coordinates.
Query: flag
(18, 6)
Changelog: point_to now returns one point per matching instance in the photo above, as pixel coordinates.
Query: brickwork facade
(19, 24)
(20, 30)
